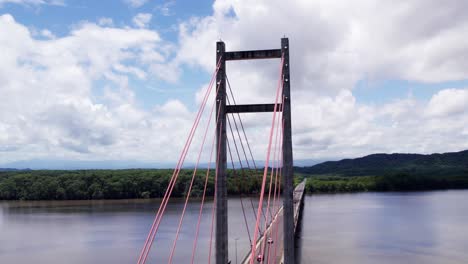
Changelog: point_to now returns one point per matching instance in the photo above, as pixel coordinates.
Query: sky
(122, 80)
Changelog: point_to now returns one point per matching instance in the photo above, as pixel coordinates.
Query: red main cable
(149, 240)
(279, 185)
(275, 152)
(215, 195)
(265, 170)
(177, 173)
(204, 193)
(280, 159)
(192, 180)
(276, 195)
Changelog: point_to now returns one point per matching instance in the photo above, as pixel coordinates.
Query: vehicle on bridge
(260, 258)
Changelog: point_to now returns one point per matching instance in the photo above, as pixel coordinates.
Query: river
(365, 228)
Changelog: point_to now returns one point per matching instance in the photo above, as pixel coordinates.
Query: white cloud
(105, 21)
(167, 72)
(165, 9)
(52, 108)
(173, 108)
(47, 34)
(135, 3)
(448, 102)
(142, 20)
(333, 44)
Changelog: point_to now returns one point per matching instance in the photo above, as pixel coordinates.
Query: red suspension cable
(153, 230)
(275, 150)
(265, 170)
(191, 182)
(215, 196)
(276, 195)
(204, 194)
(279, 182)
(273, 168)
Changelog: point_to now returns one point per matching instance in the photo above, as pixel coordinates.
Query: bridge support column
(221, 193)
(288, 175)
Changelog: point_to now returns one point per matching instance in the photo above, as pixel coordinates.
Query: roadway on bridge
(276, 248)
(276, 226)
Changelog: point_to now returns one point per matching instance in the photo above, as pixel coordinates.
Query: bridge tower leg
(221, 195)
(288, 175)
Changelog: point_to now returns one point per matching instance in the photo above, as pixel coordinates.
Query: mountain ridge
(381, 163)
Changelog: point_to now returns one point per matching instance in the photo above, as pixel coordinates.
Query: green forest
(395, 182)
(152, 183)
(389, 172)
(113, 184)
(377, 172)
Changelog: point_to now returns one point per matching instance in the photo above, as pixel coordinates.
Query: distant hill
(12, 169)
(453, 163)
(53, 164)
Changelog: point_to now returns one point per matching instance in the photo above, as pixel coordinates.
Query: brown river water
(365, 228)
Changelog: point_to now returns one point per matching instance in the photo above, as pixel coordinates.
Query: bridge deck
(277, 224)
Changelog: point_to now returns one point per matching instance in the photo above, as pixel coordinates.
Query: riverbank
(152, 183)
(115, 184)
(384, 183)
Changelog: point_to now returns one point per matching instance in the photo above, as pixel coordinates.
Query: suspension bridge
(277, 205)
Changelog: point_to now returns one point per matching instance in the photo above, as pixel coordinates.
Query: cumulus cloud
(49, 89)
(141, 20)
(448, 102)
(47, 34)
(333, 45)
